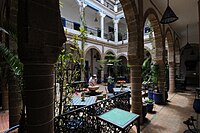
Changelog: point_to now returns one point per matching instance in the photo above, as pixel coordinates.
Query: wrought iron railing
(75, 26)
(84, 119)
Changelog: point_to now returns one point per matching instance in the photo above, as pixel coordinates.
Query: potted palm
(157, 95)
(110, 84)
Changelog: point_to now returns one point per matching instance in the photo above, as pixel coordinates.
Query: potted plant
(150, 104)
(146, 76)
(157, 95)
(110, 82)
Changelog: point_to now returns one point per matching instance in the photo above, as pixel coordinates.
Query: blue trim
(93, 8)
(63, 20)
(11, 129)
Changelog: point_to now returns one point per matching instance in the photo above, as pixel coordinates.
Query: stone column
(40, 39)
(116, 21)
(135, 80)
(171, 77)
(15, 100)
(161, 78)
(103, 65)
(102, 15)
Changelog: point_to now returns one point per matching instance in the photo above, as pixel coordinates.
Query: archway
(92, 66)
(156, 40)
(123, 70)
(171, 63)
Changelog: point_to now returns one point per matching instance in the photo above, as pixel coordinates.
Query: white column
(115, 8)
(82, 12)
(127, 34)
(102, 23)
(102, 1)
(116, 21)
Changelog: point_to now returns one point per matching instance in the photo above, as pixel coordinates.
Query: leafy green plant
(110, 80)
(154, 74)
(149, 101)
(110, 61)
(146, 71)
(67, 71)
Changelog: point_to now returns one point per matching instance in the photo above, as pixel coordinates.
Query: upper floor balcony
(95, 33)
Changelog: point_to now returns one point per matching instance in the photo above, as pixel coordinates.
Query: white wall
(70, 10)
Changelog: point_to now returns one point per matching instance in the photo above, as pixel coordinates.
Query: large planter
(144, 111)
(158, 98)
(150, 93)
(196, 105)
(110, 88)
(150, 107)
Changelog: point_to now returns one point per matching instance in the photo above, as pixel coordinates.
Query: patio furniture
(93, 88)
(77, 101)
(118, 120)
(120, 90)
(78, 85)
(85, 117)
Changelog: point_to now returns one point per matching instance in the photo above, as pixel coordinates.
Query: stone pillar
(102, 15)
(40, 39)
(103, 65)
(4, 89)
(161, 78)
(171, 77)
(15, 101)
(116, 21)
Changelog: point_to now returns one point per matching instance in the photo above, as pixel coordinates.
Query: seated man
(93, 83)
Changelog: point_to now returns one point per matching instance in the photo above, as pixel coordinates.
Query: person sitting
(93, 83)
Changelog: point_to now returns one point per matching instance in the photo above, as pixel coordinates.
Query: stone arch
(158, 46)
(135, 50)
(152, 16)
(122, 55)
(177, 57)
(110, 51)
(171, 62)
(170, 44)
(93, 47)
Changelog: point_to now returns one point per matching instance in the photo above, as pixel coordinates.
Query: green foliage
(12, 60)
(150, 72)
(149, 101)
(110, 80)
(146, 71)
(154, 73)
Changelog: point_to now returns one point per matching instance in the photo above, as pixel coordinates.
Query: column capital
(84, 5)
(81, 3)
(102, 1)
(116, 21)
(102, 14)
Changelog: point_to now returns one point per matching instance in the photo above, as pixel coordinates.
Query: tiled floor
(166, 119)
(169, 118)
(3, 120)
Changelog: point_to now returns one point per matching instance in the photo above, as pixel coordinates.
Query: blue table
(119, 90)
(76, 101)
(120, 119)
